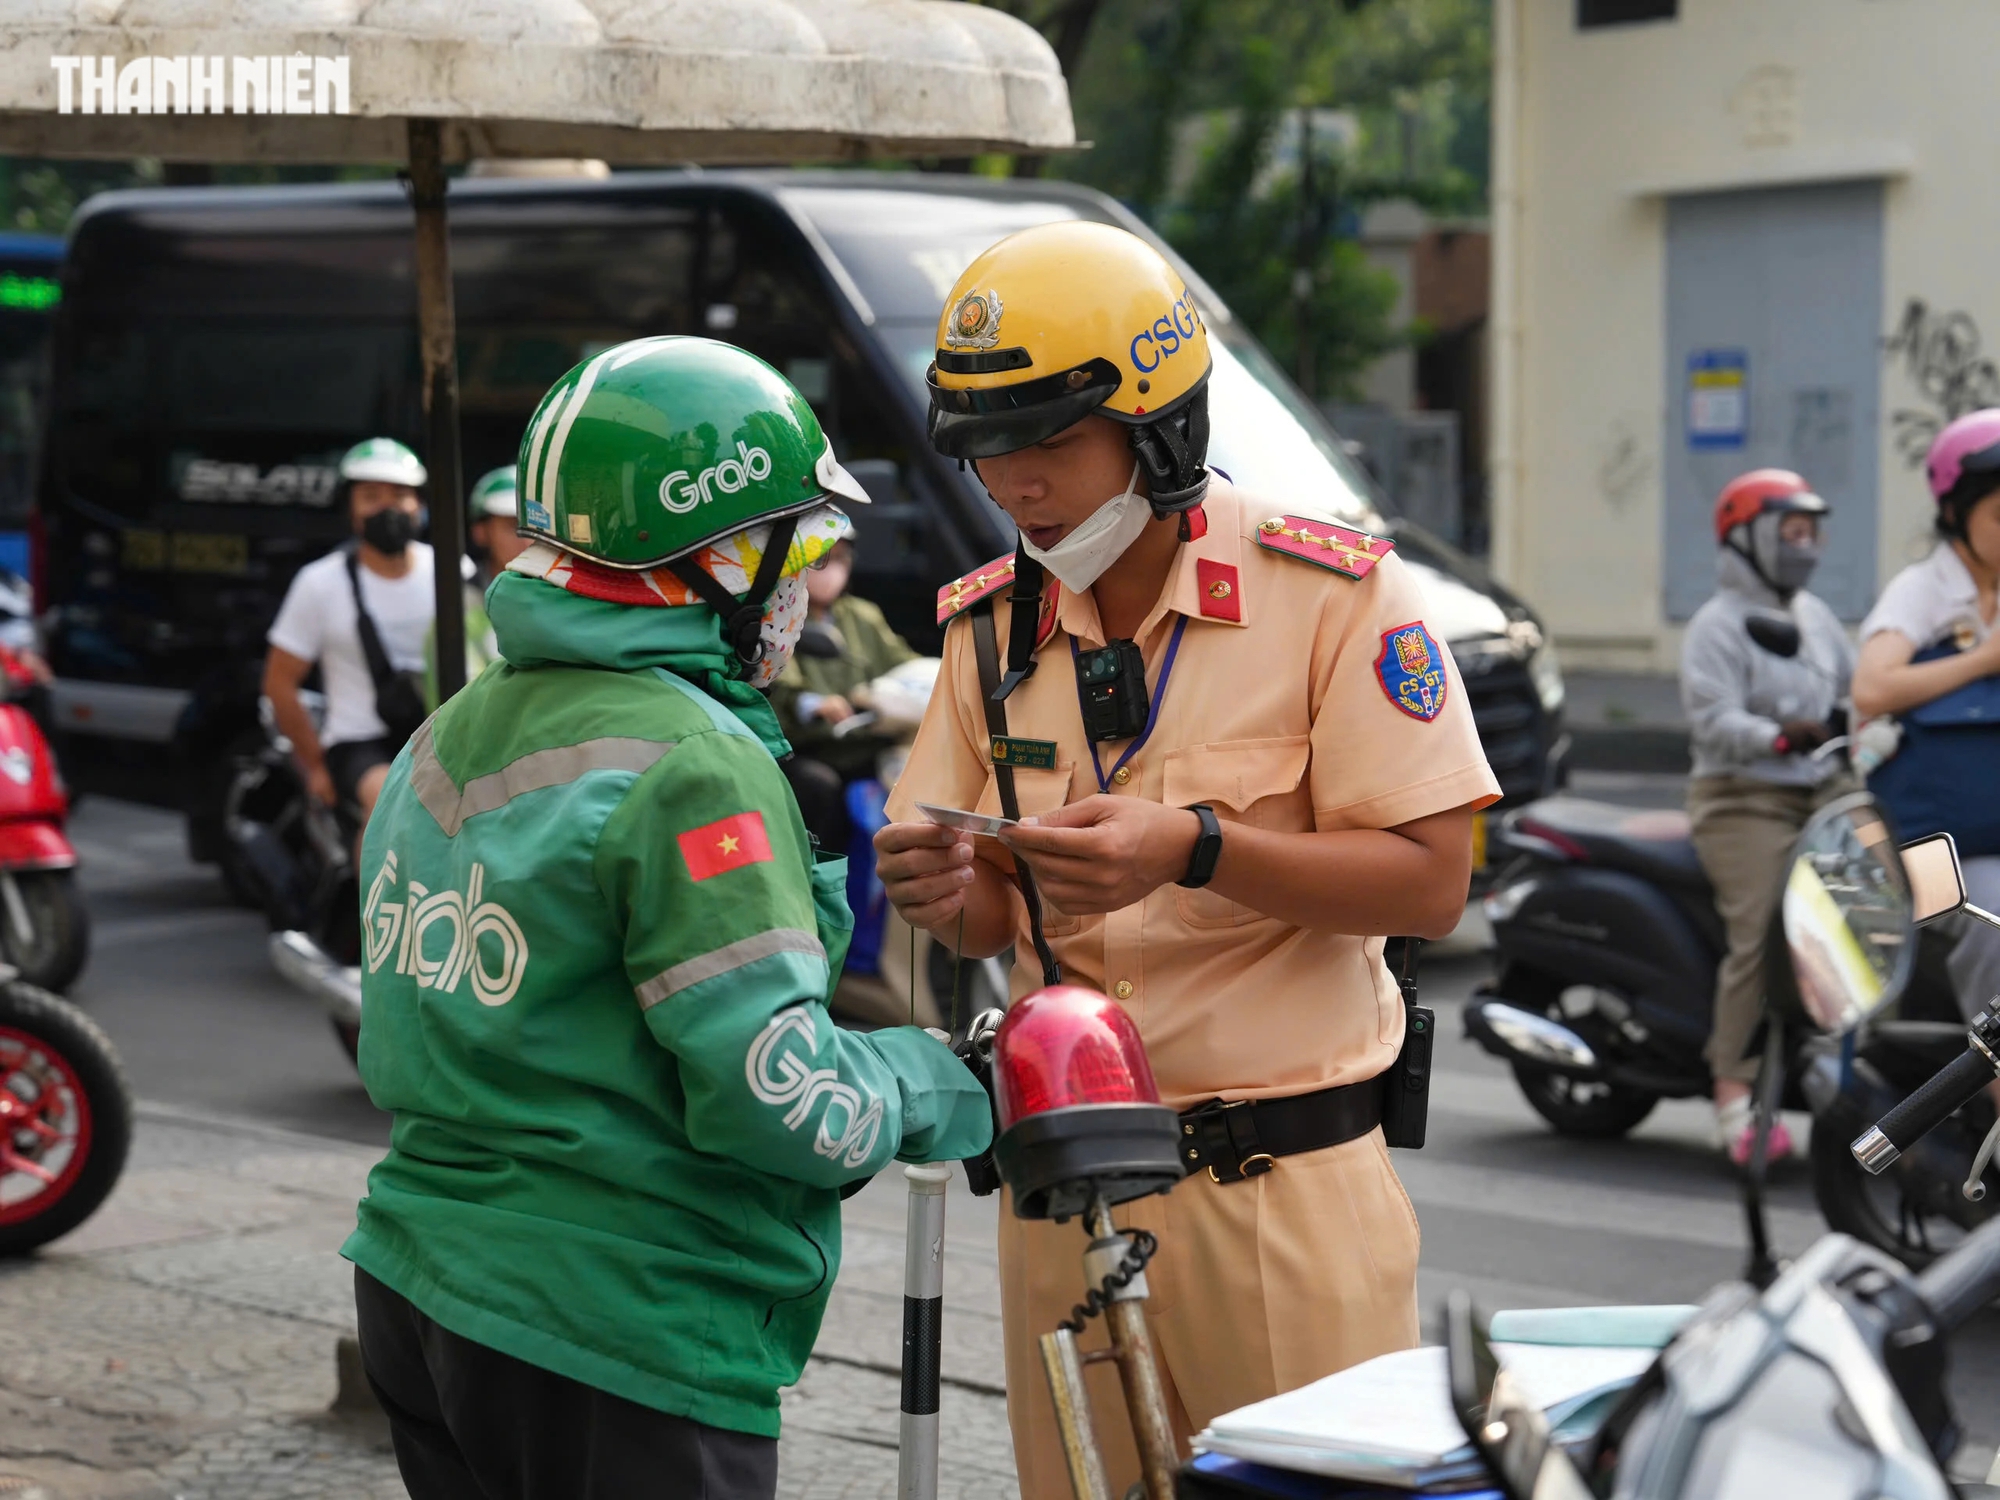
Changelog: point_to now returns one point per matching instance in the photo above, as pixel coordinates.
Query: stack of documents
(1390, 1421)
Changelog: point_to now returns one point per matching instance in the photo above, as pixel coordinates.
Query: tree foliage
(40, 196)
(1157, 82)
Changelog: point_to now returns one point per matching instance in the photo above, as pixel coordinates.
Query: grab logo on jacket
(435, 936)
(847, 1128)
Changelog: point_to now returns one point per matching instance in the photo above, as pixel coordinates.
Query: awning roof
(625, 80)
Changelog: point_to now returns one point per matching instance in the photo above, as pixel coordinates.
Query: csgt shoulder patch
(1340, 548)
(1411, 670)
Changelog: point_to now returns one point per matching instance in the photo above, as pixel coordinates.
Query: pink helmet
(1970, 445)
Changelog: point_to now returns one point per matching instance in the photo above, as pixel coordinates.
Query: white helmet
(384, 461)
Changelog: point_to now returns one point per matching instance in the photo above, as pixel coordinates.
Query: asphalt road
(179, 978)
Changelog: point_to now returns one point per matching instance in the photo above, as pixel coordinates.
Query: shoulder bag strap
(364, 623)
(986, 649)
(1025, 623)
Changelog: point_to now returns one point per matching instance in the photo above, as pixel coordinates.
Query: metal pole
(923, 1333)
(1064, 1367)
(1132, 1345)
(437, 331)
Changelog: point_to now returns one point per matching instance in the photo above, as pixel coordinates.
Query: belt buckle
(1251, 1166)
(1223, 1129)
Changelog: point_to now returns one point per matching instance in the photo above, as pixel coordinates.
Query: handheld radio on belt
(1406, 1087)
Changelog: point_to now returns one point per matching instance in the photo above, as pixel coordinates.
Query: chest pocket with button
(1037, 791)
(1261, 783)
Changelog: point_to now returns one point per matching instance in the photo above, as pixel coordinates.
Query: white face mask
(1081, 557)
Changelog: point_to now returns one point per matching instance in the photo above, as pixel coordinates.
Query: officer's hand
(833, 708)
(924, 869)
(1104, 853)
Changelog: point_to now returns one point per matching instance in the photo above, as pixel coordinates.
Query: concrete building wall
(1595, 131)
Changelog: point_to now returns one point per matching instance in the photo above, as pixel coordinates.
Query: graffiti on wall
(1939, 352)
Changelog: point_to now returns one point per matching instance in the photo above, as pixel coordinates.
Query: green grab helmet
(653, 448)
(493, 494)
(383, 461)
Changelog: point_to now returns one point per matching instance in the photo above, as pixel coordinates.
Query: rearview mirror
(1847, 921)
(1937, 885)
(1776, 633)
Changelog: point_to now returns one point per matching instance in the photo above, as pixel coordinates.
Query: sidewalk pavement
(181, 1345)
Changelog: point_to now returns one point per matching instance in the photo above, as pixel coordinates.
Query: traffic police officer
(1297, 779)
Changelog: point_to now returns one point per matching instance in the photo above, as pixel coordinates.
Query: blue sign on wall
(1718, 398)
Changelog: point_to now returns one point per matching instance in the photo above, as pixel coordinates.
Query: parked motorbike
(1608, 943)
(1830, 1383)
(292, 857)
(44, 927)
(65, 1116)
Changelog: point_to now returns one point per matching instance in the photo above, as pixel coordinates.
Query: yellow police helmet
(1062, 320)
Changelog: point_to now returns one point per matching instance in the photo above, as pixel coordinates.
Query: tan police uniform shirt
(1282, 712)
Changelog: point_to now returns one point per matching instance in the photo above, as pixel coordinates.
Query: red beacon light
(1080, 1115)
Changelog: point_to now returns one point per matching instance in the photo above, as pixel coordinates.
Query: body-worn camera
(1111, 686)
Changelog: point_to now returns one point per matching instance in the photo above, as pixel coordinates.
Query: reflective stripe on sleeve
(689, 972)
(557, 766)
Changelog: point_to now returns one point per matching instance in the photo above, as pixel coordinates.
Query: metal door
(1773, 358)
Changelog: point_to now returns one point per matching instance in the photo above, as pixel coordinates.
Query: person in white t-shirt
(1952, 595)
(345, 760)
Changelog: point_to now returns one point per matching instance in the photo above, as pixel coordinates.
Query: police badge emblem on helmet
(1411, 670)
(975, 321)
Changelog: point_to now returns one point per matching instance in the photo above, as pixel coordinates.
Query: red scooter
(44, 929)
(65, 1110)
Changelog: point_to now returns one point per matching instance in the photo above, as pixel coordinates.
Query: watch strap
(1207, 848)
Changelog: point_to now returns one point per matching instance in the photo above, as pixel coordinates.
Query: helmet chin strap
(1167, 452)
(743, 619)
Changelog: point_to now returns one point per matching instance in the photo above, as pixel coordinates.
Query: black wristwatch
(1207, 848)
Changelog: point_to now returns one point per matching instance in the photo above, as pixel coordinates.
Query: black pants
(471, 1423)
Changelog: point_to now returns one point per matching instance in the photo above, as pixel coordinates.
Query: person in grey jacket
(1755, 716)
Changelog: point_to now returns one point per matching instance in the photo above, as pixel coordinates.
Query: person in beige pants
(1303, 783)
(1755, 716)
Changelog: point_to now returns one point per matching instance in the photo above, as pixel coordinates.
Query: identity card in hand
(965, 822)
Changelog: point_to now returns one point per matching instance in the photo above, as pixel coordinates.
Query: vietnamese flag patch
(724, 845)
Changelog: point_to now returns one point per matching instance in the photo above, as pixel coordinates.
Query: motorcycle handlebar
(1957, 1285)
(1940, 1097)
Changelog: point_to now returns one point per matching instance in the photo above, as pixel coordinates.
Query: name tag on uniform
(1032, 755)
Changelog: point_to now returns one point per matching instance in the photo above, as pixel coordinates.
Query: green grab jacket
(597, 946)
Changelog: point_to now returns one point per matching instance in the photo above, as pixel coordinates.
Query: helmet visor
(1005, 419)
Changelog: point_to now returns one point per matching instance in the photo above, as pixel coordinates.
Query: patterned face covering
(732, 561)
(784, 623)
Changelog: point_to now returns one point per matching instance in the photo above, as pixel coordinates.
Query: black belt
(1244, 1139)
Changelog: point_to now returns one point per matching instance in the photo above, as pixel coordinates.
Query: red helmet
(1749, 496)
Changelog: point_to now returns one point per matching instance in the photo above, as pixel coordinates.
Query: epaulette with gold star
(956, 597)
(962, 593)
(1340, 548)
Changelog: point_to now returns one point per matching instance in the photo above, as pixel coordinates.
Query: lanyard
(1152, 709)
